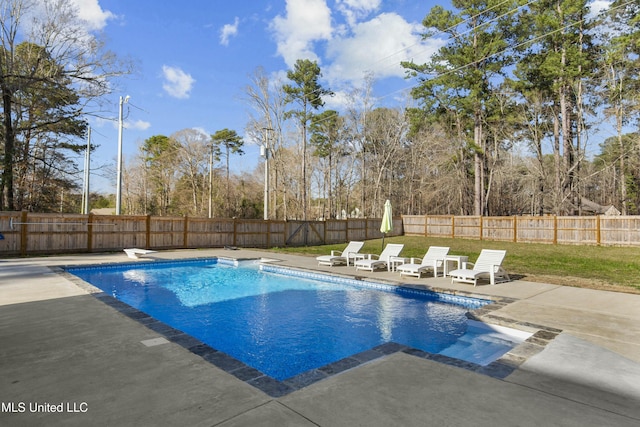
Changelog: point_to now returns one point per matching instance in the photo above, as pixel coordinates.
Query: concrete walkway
(66, 358)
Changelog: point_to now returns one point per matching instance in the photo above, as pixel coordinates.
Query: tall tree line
(501, 121)
(536, 74)
(505, 119)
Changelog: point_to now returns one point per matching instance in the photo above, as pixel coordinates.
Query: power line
(531, 41)
(449, 29)
(446, 30)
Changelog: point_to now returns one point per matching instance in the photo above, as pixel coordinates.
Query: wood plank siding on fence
(567, 230)
(26, 233)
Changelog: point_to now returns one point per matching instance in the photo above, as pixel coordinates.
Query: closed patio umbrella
(387, 223)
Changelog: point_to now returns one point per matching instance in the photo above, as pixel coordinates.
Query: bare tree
(192, 162)
(267, 125)
(360, 105)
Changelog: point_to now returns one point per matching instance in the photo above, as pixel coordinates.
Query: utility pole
(87, 173)
(265, 154)
(211, 182)
(119, 166)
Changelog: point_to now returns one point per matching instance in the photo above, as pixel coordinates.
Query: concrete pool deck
(61, 348)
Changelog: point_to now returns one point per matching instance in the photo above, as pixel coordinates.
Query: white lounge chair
(488, 265)
(341, 257)
(432, 260)
(137, 253)
(371, 262)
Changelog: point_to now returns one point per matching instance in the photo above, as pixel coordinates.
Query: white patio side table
(460, 260)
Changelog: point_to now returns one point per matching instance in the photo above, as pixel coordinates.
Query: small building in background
(589, 207)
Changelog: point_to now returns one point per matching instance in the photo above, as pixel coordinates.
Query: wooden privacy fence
(584, 230)
(25, 233)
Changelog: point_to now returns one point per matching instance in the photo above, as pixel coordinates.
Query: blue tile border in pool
(274, 388)
(467, 302)
(147, 263)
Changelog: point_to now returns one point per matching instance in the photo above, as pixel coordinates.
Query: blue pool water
(279, 324)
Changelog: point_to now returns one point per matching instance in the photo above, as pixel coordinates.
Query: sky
(194, 58)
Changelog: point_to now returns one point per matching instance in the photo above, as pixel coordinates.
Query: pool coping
(500, 368)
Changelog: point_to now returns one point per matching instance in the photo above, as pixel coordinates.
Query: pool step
(481, 350)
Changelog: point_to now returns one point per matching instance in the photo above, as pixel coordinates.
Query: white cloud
(354, 10)
(363, 43)
(126, 124)
(227, 31)
(137, 125)
(365, 5)
(91, 12)
(177, 83)
(306, 22)
(378, 46)
(339, 101)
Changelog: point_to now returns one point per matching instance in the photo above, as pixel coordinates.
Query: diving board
(137, 253)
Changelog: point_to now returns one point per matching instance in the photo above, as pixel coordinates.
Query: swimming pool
(285, 322)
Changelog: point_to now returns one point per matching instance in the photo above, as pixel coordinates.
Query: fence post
(89, 232)
(284, 232)
(481, 227)
(426, 227)
(515, 229)
(235, 231)
(598, 236)
(324, 231)
(346, 230)
(268, 234)
(185, 232)
(23, 233)
(366, 229)
(453, 226)
(555, 229)
(148, 232)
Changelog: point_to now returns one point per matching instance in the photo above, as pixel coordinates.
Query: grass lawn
(595, 267)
